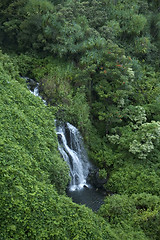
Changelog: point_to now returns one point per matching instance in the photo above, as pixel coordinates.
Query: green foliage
(101, 73)
(133, 177)
(26, 65)
(134, 214)
(56, 78)
(139, 136)
(34, 11)
(12, 16)
(19, 107)
(102, 173)
(142, 46)
(146, 140)
(79, 110)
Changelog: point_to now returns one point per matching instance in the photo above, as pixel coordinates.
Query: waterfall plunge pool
(72, 150)
(90, 197)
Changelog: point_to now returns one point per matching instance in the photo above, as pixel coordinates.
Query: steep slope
(32, 171)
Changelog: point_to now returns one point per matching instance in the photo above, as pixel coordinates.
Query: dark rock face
(100, 180)
(31, 83)
(96, 180)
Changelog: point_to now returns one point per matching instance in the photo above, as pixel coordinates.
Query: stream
(71, 148)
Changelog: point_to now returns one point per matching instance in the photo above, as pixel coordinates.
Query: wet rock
(31, 83)
(96, 180)
(100, 180)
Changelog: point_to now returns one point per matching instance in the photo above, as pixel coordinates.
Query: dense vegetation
(102, 55)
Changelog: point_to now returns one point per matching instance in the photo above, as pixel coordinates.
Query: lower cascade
(73, 152)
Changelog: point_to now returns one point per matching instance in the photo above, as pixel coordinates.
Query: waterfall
(34, 88)
(73, 152)
(71, 147)
(36, 91)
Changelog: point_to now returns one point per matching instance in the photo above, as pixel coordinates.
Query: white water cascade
(73, 152)
(36, 93)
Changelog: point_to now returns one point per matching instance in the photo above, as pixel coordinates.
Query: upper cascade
(72, 150)
(34, 88)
